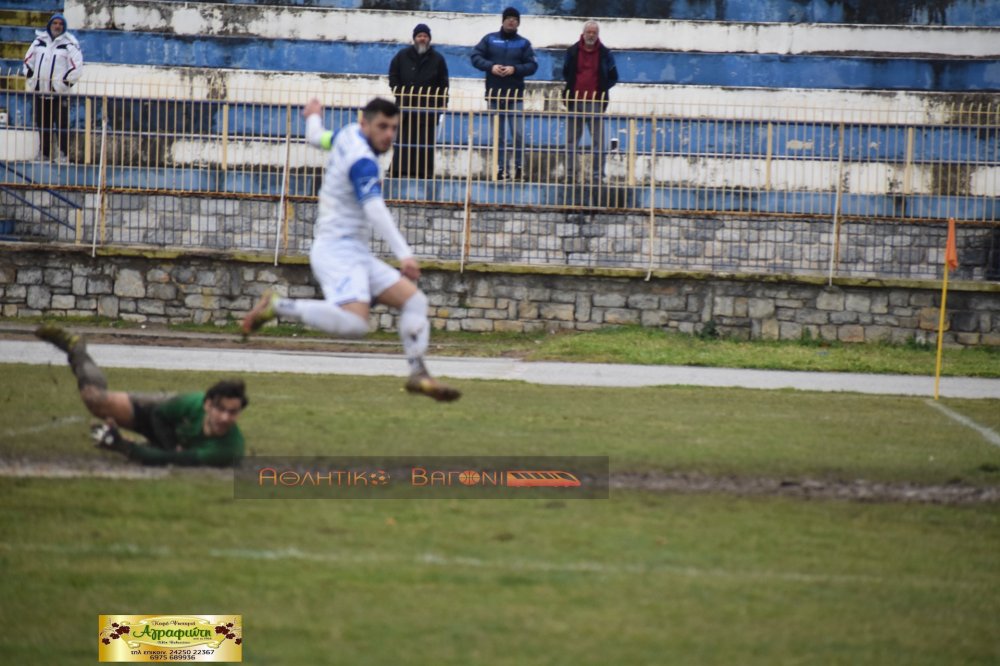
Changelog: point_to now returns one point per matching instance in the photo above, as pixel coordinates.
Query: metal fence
(533, 181)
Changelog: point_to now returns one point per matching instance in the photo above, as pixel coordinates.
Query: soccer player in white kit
(350, 206)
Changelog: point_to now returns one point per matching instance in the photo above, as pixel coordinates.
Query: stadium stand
(804, 86)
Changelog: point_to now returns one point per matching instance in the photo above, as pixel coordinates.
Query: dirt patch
(858, 490)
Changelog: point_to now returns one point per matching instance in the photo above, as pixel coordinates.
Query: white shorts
(347, 272)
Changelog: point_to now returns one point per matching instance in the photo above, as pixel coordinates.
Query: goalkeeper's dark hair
(379, 105)
(228, 388)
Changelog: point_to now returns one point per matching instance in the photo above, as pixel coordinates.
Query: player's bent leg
(349, 320)
(414, 330)
(86, 371)
(261, 313)
(57, 336)
(422, 383)
(325, 316)
(100, 402)
(106, 404)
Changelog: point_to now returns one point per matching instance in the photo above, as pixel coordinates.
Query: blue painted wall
(709, 69)
(873, 12)
(33, 5)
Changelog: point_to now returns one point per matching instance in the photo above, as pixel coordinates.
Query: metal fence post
(768, 157)
(282, 221)
(835, 241)
(633, 133)
(88, 121)
(495, 121)
(101, 170)
(467, 213)
(652, 200)
(225, 138)
(908, 161)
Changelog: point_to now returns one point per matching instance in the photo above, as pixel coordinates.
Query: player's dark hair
(228, 388)
(379, 105)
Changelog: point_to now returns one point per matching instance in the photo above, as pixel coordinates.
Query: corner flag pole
(950, 262)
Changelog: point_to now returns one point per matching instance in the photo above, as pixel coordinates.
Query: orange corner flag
(950, 249)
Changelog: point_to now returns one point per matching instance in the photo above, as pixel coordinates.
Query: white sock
(322, 315)
(415, 330)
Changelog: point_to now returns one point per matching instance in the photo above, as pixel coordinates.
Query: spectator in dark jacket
(507, 58)
(418, 76)
(590, 72)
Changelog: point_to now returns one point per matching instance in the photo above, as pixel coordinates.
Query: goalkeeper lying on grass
(183, 429)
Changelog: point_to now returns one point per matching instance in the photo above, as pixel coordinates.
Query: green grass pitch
(640, 578)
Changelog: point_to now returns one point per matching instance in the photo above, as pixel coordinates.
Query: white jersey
(350, 199)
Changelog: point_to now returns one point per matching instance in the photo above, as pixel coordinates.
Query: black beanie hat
(421, 27)
(510, 11)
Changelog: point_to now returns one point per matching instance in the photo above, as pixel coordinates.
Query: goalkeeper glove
(107, 436)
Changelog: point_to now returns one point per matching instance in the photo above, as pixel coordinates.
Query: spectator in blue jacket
(507, 58)
(590, 72)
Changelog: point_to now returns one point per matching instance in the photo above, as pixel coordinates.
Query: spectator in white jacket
(53, 64)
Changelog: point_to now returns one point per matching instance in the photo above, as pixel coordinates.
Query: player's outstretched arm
(380, 218)
(312, 108)
(410, 268)
(107, 436)
(316, 134)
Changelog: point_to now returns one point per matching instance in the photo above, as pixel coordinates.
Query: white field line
(988, 434)
(96, 470)
(543, 372)
(10, 433)
(437, 560)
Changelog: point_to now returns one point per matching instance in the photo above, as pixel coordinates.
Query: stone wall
(206, 288)
(536, 237)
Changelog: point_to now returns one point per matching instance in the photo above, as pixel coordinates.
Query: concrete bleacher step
(13, 50)
(10, 80)
(23, 17)
(370, 26)
(708, 69)
(48, 6)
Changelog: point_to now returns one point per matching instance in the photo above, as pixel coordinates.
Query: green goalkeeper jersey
(178, 437)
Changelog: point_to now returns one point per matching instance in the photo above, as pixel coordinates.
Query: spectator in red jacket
(590, 72)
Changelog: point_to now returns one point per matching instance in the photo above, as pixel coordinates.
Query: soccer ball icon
(469, 477)
(379, 477)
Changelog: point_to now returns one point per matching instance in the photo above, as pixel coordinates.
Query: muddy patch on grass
(858, 490)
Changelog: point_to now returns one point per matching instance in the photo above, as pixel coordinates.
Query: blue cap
(48, 26)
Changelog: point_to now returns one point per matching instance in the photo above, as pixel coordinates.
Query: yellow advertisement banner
(167, 638)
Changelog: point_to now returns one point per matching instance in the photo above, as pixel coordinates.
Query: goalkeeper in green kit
(182, 429)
